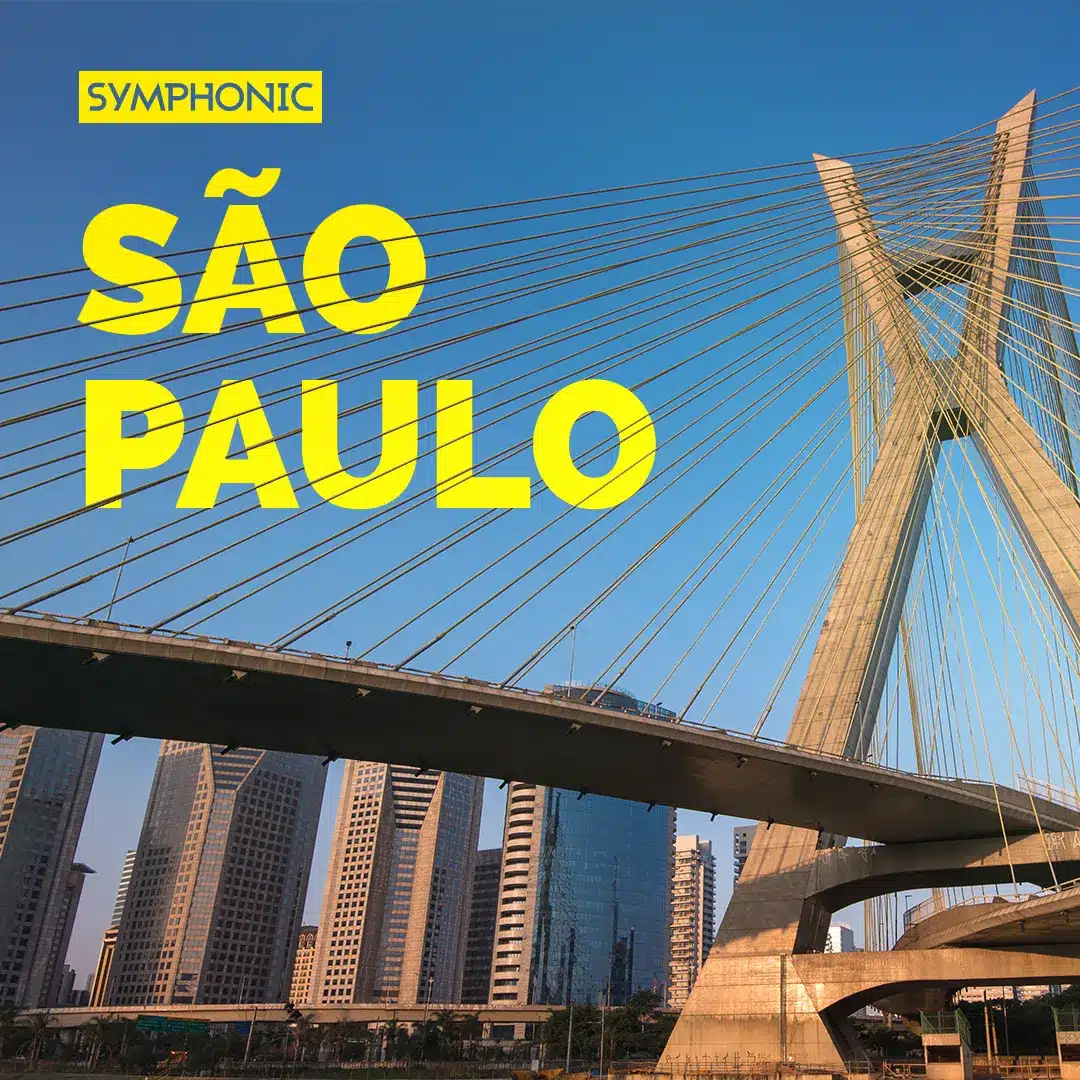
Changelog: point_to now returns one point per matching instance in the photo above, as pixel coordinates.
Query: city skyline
(418, 791)
(104, 840)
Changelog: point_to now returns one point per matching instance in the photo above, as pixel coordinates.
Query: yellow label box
(200, 97)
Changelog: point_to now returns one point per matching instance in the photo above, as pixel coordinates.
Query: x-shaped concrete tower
(764, 992)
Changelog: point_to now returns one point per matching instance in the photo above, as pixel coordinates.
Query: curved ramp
(1050, 921)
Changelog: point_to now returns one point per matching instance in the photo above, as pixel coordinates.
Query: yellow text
(236, 447)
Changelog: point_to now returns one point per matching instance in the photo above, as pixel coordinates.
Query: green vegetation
(637, 1029)
(1023, 1027)
(114, 1045)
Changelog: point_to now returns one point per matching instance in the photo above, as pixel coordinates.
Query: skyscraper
(108, 941)
(217, 891)
(841, 938)
(66, 988)
(691, 914)
(396, 903)
(742, 838)
(122, 888)
(585, 892)
(45, 781)
(56, 993)
(476, 983)
(303, 965)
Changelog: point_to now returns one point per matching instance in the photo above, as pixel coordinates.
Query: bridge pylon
(750, 1000)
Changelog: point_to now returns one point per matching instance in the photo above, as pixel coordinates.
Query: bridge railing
(949, 1022)
(937, 902)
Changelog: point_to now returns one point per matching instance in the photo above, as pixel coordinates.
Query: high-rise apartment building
(693, 897)
(217, 891)
(66, 988)
(396, 903)
(742, 837)
(100, 980)
(45, 781)
(476, 982)
(585, 890)
(303, 965)
(841, 938)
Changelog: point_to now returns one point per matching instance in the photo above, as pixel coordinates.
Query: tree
(471, 1032)
(9, 1025)
(38, 1025)
(886, 1044)
(306, 1035)
(106, 1035)
(584, 1038)
(333, 1038)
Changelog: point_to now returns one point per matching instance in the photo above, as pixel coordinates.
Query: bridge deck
(104, 677)
(69, 1017)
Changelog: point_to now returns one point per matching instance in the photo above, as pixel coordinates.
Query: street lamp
(427, 1005)
(427, 998)
(604, 1002)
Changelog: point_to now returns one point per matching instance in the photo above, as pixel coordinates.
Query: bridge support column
(753, 1008)
(751, 996)
(770, 1009)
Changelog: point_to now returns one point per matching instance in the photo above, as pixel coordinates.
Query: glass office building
(585, 893)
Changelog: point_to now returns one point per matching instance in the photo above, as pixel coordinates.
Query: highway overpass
(275, 1013)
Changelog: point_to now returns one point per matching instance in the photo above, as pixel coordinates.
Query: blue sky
(438, 106)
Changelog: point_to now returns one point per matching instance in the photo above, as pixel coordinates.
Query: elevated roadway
(234, 1014)
(842, 876)
(131, 682)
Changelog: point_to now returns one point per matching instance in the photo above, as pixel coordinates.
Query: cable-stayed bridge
(853, 535)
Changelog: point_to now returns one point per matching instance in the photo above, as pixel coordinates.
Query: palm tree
(333, 1037)
(470, 1030)
(391, 1036)
(303, 1032)
(38, 1024)
(446, 1029)
(102, 1031)
(9, 1024)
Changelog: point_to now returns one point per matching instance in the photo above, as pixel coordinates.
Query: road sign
(171, 1024)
